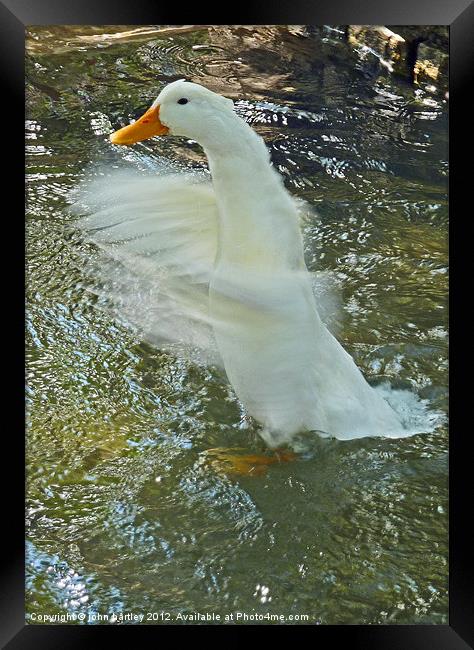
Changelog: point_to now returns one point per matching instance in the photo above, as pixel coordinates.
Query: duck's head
(182, 108)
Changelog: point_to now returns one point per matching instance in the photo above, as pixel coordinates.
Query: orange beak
(146, 127)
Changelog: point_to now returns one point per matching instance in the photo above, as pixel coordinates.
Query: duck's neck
(258, 220)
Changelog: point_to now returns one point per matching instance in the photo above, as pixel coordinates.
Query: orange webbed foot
(246, 464)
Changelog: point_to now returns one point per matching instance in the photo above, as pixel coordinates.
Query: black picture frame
(459, 15)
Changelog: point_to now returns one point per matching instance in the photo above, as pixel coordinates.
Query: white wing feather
(159, 236)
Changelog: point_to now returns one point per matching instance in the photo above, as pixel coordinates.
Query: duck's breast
(266, 327)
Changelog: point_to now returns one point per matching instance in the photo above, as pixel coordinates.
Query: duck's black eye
(183, 100)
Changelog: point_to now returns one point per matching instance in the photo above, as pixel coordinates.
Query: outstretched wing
(158, 236)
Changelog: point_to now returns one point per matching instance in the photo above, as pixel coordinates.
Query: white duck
(233, 250)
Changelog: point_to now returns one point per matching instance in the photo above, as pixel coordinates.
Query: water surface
(125, 513)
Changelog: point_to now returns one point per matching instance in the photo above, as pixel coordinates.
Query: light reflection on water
(124, 510)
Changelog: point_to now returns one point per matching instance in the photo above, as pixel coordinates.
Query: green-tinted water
(124, 514)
